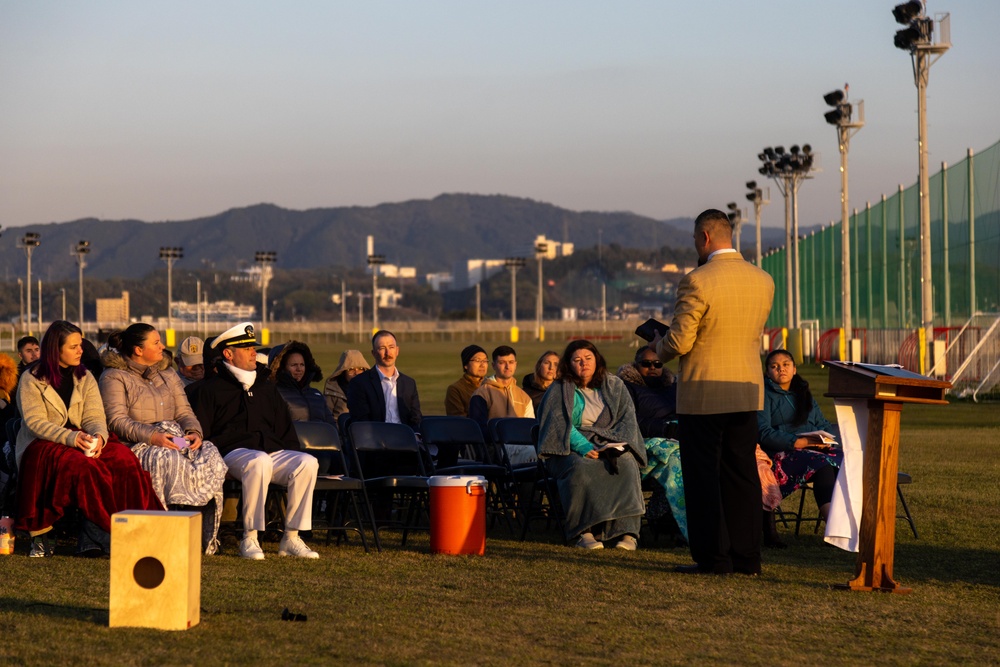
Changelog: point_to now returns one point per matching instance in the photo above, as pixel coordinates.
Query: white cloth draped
(844, 521)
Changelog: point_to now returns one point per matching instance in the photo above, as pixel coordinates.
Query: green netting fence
(885, 257)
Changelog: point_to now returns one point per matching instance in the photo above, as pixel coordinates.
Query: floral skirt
(664, 466)
(793, 469)
(191, 477)
(55, 477)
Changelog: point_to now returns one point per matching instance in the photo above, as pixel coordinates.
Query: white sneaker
(250, 549)
(294, 546)
(628, 543)
(587, 541)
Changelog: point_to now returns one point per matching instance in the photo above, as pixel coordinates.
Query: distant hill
(429, 234)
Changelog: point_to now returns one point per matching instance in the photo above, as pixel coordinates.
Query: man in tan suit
(718, 319)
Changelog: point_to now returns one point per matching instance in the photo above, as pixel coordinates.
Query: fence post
(972, 236)
(902, 263)
(945, 244)
(885, 264)
(868, 255)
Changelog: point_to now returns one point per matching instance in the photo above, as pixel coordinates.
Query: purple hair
(47, 368)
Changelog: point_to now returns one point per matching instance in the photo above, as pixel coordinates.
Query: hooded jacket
(305, 403)
(335, 390)
(493, 400)
(655, 406)
(136, 397)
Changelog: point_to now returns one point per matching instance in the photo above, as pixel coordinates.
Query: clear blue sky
(178, 109)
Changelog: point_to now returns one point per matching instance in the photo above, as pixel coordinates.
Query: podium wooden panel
(887, 388)
(155, 570)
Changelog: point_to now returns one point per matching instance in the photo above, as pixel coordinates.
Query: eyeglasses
(651, 364)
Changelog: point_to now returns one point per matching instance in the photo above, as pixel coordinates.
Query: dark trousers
(722, 490)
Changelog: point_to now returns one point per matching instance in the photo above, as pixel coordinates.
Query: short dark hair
(566, 370)
(715, 222)
(26, 340)
(503, 351)
(643, 350)
(383, 332)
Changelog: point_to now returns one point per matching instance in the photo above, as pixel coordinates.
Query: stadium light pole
(80, 251)
(170, 255)
(374, 261)
(513, 263)
(842, 117)
(788, 169)
(28, 243)
(735, 216)
(918, 39)
(760, 200)
(265, 258)
(541, 250)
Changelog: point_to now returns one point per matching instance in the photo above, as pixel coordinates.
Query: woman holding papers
(795, 434)
(590, 442)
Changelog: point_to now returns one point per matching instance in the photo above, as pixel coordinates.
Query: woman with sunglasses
(654, 393)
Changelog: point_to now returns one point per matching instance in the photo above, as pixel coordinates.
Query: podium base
(902, 590)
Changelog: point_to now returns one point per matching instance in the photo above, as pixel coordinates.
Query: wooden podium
(886, 388)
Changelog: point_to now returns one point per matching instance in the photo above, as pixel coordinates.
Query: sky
(172, 110)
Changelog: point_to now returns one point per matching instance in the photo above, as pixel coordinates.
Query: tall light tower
(760, 200)
(80, 251)
(375, 261)
(265, 258)
(788, 170)
(541, 250)
(170, 255)
(735, 216)
(919, 39)
(513, 263)
(28, 243)
(847, 126)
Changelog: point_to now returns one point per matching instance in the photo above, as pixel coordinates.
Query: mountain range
(430, 234)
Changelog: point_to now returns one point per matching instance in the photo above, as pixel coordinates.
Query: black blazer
(366, 402)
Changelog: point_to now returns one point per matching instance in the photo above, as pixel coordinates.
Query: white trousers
(294, 470)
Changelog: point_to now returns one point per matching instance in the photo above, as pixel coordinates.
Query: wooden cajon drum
(155, 569)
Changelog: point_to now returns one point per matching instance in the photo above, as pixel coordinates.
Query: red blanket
(54, 478)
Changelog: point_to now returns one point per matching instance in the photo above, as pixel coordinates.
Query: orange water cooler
(458, 514)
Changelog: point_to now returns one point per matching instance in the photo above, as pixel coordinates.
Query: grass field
(538, 602)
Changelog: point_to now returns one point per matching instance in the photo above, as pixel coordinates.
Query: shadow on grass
(55, 611)
(915, 562)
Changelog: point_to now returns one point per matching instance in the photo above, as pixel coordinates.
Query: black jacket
(305, 403)
(366, 402)
(233, 418)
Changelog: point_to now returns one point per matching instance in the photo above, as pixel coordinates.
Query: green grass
(540, 602)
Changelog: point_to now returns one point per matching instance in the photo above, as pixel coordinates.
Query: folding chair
(391, 464)
(322, 439)
(799, 517)
(475, 457)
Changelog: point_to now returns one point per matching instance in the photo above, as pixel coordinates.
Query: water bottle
(6, 536)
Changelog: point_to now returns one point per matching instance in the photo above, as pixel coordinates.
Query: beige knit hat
(350, 359)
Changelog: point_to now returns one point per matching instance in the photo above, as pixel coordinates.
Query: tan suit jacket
(716, 331)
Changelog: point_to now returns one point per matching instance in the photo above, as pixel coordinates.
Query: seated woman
(535, 384)
(293, 370)
(790, 411)
(654, 395)
(352, 363)
(147, 409)
(65, 456)
(590, 442)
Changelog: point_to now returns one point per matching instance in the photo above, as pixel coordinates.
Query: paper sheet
(844, 521)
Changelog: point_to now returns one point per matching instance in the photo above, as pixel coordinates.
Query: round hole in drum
(148, 572)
